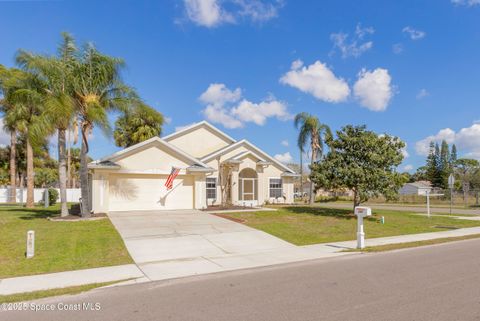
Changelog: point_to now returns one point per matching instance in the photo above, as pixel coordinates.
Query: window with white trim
(211, 188)
(275, 187)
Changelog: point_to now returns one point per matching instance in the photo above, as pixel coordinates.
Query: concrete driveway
(166, 244)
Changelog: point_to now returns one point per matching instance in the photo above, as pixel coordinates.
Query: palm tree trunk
(62, 172)
(84, 184)
(312, 186)
(12, 196)
(30, 175)
(301, 174)
(69, 160)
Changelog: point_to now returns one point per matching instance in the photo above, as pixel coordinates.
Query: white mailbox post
(361, 212)
(30, 244)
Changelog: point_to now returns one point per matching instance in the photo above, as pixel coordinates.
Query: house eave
(287, 174)
(200, 170)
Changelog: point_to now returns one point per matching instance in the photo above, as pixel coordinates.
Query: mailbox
(362, 211)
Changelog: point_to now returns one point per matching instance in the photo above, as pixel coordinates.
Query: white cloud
(467, 3)
(218, 95)
(258, 11)
(414, 33)
(397, 48)
(466, 139)
(284, 158)
(407, 168)
(422, 93)
(373, 89)
(167, 120)
(207, 13)
(219, 115)
(356, 47)
(405, 152)
(284, 143)
(247, 111)
(223, 107)
(318, 80)
(212, 13)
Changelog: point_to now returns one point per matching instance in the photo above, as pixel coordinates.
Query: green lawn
(59, 246)
(302, 225)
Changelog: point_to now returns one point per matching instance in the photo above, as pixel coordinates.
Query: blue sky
(406, 68)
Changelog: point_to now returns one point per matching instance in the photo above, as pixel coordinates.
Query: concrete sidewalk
(69, 278)
(404, 238)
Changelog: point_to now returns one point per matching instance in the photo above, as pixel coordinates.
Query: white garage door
(148, 192)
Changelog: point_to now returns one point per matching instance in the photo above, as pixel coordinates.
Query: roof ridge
(198, 124)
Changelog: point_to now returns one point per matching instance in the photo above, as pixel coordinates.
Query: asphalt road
(440, 282)
(416, 209)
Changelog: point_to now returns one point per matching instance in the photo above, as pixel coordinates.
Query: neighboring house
(416, 188)
(211, 164)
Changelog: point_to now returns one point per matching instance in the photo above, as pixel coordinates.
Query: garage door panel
(137, 192)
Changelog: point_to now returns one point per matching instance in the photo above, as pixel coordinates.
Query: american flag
(171, 177)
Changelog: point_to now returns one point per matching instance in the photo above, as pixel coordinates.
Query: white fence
(73, 195)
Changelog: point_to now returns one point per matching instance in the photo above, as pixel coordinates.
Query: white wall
(73, 195)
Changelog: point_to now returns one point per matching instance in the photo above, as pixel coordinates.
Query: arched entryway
(248, 187)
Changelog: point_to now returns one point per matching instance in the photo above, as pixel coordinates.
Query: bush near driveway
(303, 225)
(59, 246)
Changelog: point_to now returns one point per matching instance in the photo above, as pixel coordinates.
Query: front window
(275, 187)
(211, 188)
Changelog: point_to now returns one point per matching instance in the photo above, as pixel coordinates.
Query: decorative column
(234, 183)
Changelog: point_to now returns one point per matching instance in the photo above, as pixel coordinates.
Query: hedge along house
(213, 166)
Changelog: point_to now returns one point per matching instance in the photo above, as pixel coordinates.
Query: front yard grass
(59, 246)
(304, 225)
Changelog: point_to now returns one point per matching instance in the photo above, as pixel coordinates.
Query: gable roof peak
(194, 126)
(154, 139)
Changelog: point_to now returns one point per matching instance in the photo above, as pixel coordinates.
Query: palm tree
(311, 127)
(8, 78)
(28, 102)
(59, 108)
(138, 125)
(98, 89)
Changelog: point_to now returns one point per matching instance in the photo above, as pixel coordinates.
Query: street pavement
(393, 207)
(440, 282)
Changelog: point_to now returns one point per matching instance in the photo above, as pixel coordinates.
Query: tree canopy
(137, 125)
(362, 161)
(440, 164)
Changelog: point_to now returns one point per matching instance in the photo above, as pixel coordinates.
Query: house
(212, 165)
(320, 192)
(416, 188)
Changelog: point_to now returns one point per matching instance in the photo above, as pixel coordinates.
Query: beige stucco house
(212, 166)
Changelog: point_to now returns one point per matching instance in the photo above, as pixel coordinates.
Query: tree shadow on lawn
(319, 211)
(34, 213)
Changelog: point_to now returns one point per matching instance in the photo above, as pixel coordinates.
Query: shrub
(52, 197)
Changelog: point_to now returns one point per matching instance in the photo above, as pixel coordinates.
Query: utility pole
(451, 182)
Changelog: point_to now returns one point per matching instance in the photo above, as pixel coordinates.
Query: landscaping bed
(59, 246)
(304, 225)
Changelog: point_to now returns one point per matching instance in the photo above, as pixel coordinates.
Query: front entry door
(248, 194)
